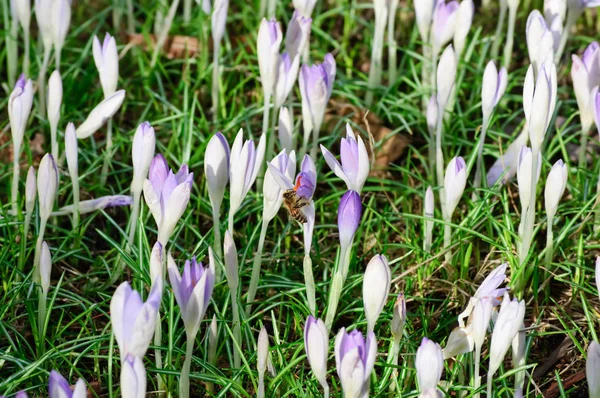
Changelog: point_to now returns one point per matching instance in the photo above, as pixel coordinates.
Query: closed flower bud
(133, 320)
(316, 85)
(349, 213)
(19, 107)
(585, 74)
(71, 150)
(430, 364)
(106, 58)
(492, 90)
(231, 262)
(55, 96)
(464, 19)
(262, 348)
(47, 184)
(216, 169)
(30, 190)
(61, 19)
(423, 15)
(59, 387)
(539, 101)
(555, 187)
(100, 114)
(287, 73)
(455, 181)
(286, 129)
(272, 192)
(354, 360)
(91, 205)
(506, 327)
(45, 267)
(444, 23)
(592, 369)
(297, 34)
(355, 165)
(21, 10)
(133, 378)
(446, 75)
(219, 19)
(304, 7)
(399, 316)
(316, 344)
(244, 165)
(142, 152)
(268, 43)
(42, 8)
(555, 8)
(540, 40)
(376, 287)
(524, 175)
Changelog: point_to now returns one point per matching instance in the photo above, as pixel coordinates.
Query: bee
(294, 203)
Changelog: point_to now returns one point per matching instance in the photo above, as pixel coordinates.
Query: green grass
(175, 98)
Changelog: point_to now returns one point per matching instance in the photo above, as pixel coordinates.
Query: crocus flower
(192, 290)
(142, 152)
(524, 175)
(219, 19)
(60, 16)
(555, 187)
(492, 89)
(297, 34)
(272, 192)
(286, 129)
(446, 76)
(585, 74)
(354, 360)
(554, 9)
(45, 267)
(592, 369)
(21, 10)
(19, 107)
(376, 288)
(30, 190)
(464, 19)
(91, 205)
(316, 344)
(304, 7)
(349, 214)
(59, 387)
(262, 354)
(132, 320)
(540, 40)
(244, 165)
(444, 23)
(42, 8)
(133, 377)
(287, 73)
(454, 183)
(423, 15)
(316, 84)
(47, 184)
(268, 43)
(430, 364)
(354, 168)
(101, 114)
(539, 101)
(71, 154)
(518, 359)
(167, 195)
(216, 169)
(106, 58)
(506, 327)
(55, 95)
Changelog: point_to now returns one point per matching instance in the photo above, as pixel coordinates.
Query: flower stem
(476, 378)
(549, 242)
(135, 212)
(42, 320)
(187, 11)
(597, 218)
(15, 181)
(498, 35)
(439, 161)
(164, 31)
(184, 382)
(376, 58)
(130, 17)
(583, 148)
(215, 81)
(217, 247)
(530, 214)
(309, 283)
(42, 84)
(392, 46)
(337, 284)
(108, 153)
(26, 37)
(12, 49)
(448, 238)
(508, 46)
(237, 332)
(75, 183)
(256, 266)
(38, 248)
(394, 362)
(315, 146)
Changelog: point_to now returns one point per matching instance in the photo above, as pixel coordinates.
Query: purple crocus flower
(354, 360)
(287, 73)
(192, 290)
(306, 180)
(272, 192)
(444, 23)
(585, 74)
(349, 213)
(216, 169)
(297, 34)
(316, 84)
(91, 205)
(59, 387)
(133, 320)
(455, 181)
(268, 43)
(354, 168)
(492, 90)
(167, 195)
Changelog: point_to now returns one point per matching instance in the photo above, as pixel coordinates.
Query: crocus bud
(106, 58)
(430, 364)
(354, 168)
(423, 15)
(216, 169)
(231, 262)
(376, 287)
(167, 195)
(506, 327)
(316, 84)
(518, 360)
(192, 290)
(244, 165)
(47, 183)
(272, 192)
(464, 19)
(524, 175)
(304, 7)
(100, 114)
(297, 34)
(592, 369)
(30, 190)
(133, 320)
(55, 95)
(91, 205)
(19, 107)
(287, 73)
(156, 263)
(555, 187)
(21, 9)
(268, 43)
(349, 213)
(539, 101)
(585, 74)
(432, 114)
(44, 22)
(479, 321)
(71, 150)
(354, 360)
(286, 129)
(61, 19)
(133, 377)
(59, 387)
(316, 344)
(555, 8)
(444, 23)
(45, 267)
(219, 19)
(446, 74)
(399, 316)
(492, 89)
(142, 152)
(540, 40)
(455, 181)
(262, 348)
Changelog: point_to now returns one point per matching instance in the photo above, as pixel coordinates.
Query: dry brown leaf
(176, 47)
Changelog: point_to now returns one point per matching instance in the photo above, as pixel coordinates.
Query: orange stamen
(297, 183)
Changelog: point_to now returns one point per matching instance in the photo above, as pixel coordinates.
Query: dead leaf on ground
(36, 146)
(175, 47)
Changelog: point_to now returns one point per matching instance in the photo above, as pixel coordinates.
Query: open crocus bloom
(354, 359)
(354, 168)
